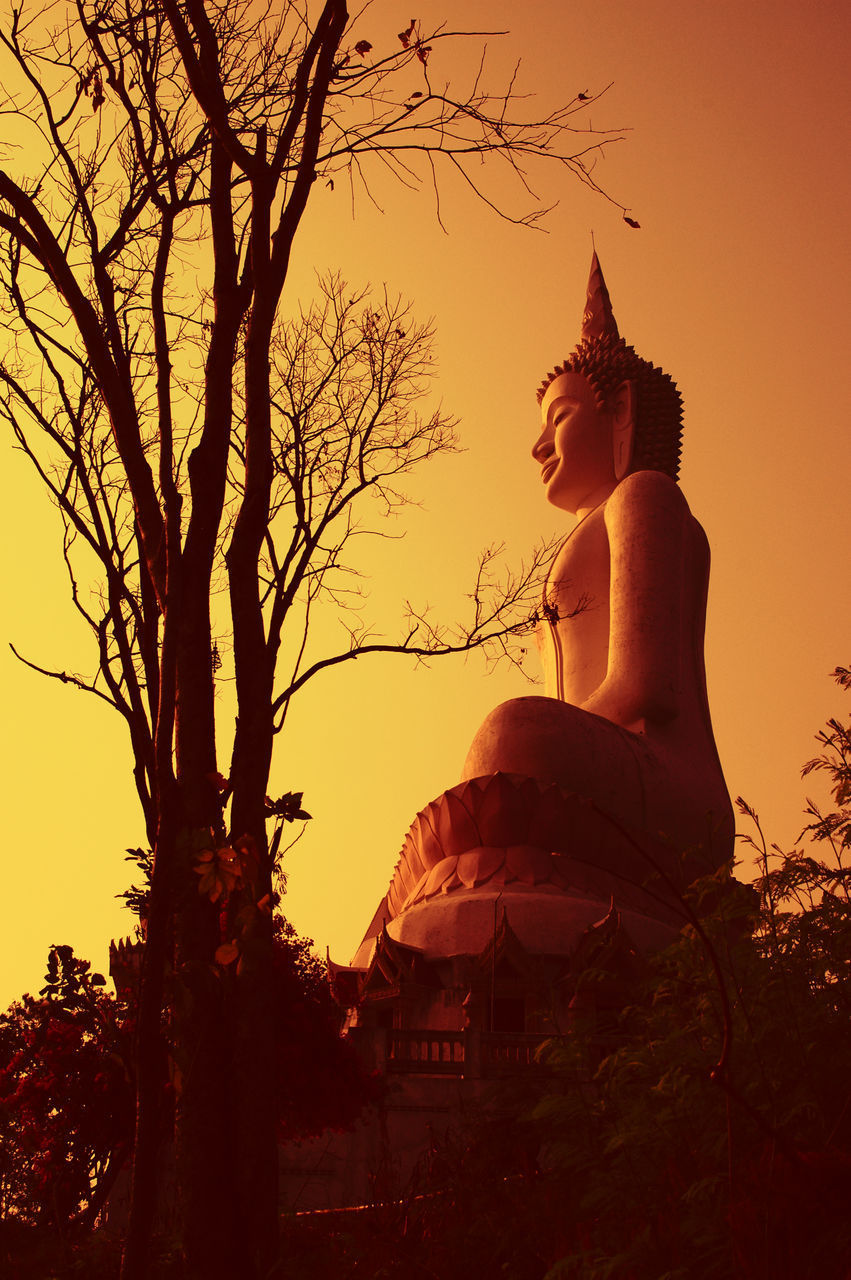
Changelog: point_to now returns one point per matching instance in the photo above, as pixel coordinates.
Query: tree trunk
(149, 1128)
(256, 1120)
(206, 1101)
(255, 1026)
(205, 1113)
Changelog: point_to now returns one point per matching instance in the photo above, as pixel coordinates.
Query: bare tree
(168, 151)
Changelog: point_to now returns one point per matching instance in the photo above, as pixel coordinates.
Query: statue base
(552, 860)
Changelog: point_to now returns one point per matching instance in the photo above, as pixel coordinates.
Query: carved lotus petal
(419, 891)
(438, 875)
(477, 866)
(572, 823)
(431, 815)
(531, 789)
(395, 898)
(412, 855)
(405, 877)
(452, 882)
(414, 836)
(528, 865)
(427, 844)
(549, 826)
(458, 822)
(441, 822)
(502, 816)
(563, 871)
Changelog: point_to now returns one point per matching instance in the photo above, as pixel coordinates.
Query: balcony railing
(460, 1053)
(429, 1052)
(508, 1051)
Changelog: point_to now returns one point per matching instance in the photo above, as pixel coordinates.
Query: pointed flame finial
(598, 319)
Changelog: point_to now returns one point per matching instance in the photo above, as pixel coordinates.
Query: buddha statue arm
(647, 522)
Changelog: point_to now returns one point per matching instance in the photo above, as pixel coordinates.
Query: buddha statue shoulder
(625, 718)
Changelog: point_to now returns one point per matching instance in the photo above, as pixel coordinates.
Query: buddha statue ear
(622, 413)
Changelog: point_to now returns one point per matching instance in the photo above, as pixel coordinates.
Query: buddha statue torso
(573, 634)
(576, 636)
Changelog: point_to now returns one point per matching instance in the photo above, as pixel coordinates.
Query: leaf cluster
(321, 1081)
(66, 1096)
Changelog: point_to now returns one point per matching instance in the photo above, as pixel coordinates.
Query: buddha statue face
(583, 450)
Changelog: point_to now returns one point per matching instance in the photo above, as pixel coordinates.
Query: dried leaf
(405, 36)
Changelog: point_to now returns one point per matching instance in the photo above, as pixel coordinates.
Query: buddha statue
(625, 720)
(608, 788)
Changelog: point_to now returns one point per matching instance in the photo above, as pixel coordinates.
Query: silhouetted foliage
(322, 1083)
(66, 1097)
(673, 1169)
(66, 1081)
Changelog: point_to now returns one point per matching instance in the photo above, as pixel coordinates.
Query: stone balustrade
(458, 1053)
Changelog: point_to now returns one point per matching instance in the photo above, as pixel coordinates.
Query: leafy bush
(66, 1096)
(67, 1093)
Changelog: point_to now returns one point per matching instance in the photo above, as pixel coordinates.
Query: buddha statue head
(625, 414)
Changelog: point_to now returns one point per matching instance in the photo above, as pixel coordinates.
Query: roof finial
(598, 319)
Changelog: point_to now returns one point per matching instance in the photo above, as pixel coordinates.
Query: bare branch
(77, 681)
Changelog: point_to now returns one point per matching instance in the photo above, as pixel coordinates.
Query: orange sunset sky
(734, 159)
